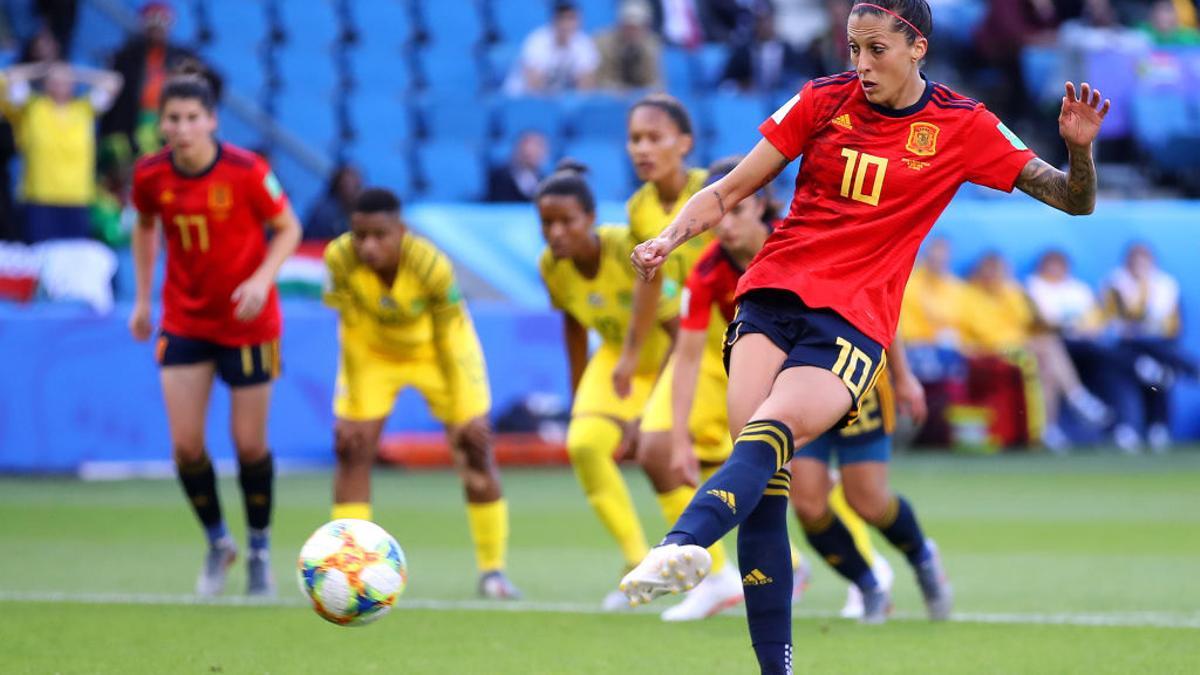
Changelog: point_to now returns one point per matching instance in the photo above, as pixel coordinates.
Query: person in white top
(556, 57)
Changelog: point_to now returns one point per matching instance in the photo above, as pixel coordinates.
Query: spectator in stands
(59, 17)
(1008, 27)
(517, 180)
(130, 129)
(1143, 303)
(998, 320)
(329, 216)
(55, 133)
(763, 62)
(630, 52)
(1164, 27)
(1064, 304)
(556, 57)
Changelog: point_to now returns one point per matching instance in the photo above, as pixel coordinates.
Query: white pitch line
(1146, 619)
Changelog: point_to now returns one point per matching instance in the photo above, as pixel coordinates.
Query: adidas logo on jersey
(844, 122)
(756, 578)
(727, 497)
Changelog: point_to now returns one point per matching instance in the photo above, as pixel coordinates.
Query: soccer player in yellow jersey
(589, 280)
(404, 324)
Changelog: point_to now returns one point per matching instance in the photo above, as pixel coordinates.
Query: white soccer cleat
(615, 601)
(720, 591)
(853, 609)
(666, 569)
(217, 561)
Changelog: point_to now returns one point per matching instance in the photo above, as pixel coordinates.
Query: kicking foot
(217, 561)
(720, 591)
(495, 585)
(801, 578)
(931, 577)
(259, 580)
(853, 609)
(666, 569)
(876, 605)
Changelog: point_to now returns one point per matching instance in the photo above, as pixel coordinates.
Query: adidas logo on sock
(756, 578)
(843, 121)
(725, 496)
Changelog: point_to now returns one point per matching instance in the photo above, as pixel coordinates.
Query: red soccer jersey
(713, 280)
(872, 182)
(214, 225)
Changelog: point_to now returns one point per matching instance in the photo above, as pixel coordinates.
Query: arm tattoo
(720, 202)
(1073, 192)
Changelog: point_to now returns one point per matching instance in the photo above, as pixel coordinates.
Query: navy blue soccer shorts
(236, 366)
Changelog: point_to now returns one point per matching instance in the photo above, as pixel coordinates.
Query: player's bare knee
(351, 447)
(251, 452)
(189, 454)
(870, 504)
(809, 509)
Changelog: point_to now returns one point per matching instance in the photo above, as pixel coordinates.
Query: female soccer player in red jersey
(884, 151)
(220, 308)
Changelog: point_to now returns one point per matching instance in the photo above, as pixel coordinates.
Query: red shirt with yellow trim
(872, 182)
(214, 226)
(711, 283)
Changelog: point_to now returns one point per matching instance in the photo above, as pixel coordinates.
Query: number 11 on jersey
(854, 180)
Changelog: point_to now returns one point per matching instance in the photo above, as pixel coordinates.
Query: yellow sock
(673, 503)
(858, 528)
(359, 510)
(489, 530)
(591, 442)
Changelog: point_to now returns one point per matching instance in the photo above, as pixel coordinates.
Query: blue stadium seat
(517, 114)
(447, 116)
(236, 130)
(313, 22)
(499, 61)
(1167, 127)
(608, 167)
(380, 68)
(95, 45)
(239, 24)
(1042, 68)
(185, 28)
(382, 121)
(452, 170)
(678, 69)
(515, 20)
(597, 116)
(710, 59)
(243, 70)
(598, 15)
(452, 25)
(392, 169)
(302, 185)
(735, 121)
(451, 71)
(308, 67)
(382, 22)
(310, 116)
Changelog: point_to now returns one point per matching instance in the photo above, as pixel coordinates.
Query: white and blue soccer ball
(353, 571)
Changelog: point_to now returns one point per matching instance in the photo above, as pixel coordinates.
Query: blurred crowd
(1049, 360)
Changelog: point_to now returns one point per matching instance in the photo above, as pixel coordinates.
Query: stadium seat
(597, 116)
(677, 68)
(513, 21)
(392, 169)
(301, 184)
(237, 23)
(735, 120)
(1043, 68)
(608, 167)
(310, 116)
(94, 46)
(517, 114)
(499, 60)
(242, 70)
(453, 26)
(1167, 127)
(383, 121)
(710, 60)
(377, 67)
(308, 67)
(236, 130)
(598, 15)
(451, 71)
(382, 22)
(445, 116)
(451, 170)
(185, 28)
(314, 22)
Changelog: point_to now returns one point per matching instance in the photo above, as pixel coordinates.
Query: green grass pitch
(1086, 564)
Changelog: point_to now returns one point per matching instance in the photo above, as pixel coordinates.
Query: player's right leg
(187, 374)
(355, 445)
(364, 394)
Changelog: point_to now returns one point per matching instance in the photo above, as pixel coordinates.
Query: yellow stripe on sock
(889, 514)
(489, 531)
(769, 440)
(777, 492)
(357, 510)
(820, 524)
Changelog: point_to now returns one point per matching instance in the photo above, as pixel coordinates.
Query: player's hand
(622, 376)
(684, 462)
(250, 298)
(648, 256)
(910, 399)
(140, 325)
(631, 432)
(1080, 118)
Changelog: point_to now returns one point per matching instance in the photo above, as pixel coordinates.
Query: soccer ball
(353, 571)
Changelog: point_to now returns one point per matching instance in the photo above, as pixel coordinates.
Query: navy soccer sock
(257, 481)
(199, 483)
(730, 496)
(899, 525)
(765, 561)
(832, 541)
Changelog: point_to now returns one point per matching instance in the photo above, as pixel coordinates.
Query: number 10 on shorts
(847, 367)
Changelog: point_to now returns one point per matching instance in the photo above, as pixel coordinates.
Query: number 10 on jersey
(854, 178)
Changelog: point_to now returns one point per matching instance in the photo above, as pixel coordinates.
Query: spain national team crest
(922, 139)
(220, 197)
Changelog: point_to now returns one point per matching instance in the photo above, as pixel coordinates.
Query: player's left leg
(487, 511)
(249, 371)
(867, 492)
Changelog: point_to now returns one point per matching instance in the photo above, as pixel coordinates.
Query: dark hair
(915, 12)
(721, 167)
(377, 200)
(188, 85)
(568, 180)
(669, 105)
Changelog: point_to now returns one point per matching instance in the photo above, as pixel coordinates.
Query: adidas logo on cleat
(844, 122)
(756, 578)
(726, 497)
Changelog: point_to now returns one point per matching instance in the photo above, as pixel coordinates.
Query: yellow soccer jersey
(647, 218)
(605, 303)
(397, 323)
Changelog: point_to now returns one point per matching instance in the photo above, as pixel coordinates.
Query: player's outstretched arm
(705, 209)
(1074, 191)
(145, 249)
(251, 296)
